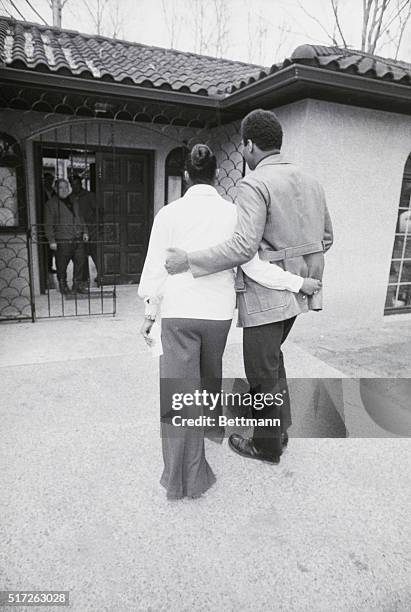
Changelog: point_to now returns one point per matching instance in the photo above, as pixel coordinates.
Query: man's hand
(176, 262)
(85, 237)
(145, 331)
(53, 246)
(311, 285)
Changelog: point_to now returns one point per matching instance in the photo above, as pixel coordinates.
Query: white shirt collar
(201, 190)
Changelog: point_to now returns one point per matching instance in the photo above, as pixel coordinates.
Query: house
(121, 115)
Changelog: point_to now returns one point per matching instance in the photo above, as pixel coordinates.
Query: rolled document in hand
(156, 348)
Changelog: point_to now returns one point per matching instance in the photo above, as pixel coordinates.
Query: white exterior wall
(359, 156)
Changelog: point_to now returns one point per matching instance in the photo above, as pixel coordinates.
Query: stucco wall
(226, 143)
(15, 300)
(359, 156)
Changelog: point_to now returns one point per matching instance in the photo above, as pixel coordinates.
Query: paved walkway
(327, 530)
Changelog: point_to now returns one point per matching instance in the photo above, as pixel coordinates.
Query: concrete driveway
(327, 530)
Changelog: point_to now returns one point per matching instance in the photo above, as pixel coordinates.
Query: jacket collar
(277, 158)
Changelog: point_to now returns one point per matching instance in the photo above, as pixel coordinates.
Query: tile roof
(354, 62)
(344, 60)
(34, 47)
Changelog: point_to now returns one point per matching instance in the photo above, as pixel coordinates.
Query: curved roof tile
(35, 47)
(101, 58)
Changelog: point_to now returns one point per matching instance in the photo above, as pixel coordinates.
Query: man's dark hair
(201, 164)
(75, 177)
(263, 128)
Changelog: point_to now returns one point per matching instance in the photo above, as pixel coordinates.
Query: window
(174, 187)
(399, 282)
(10, 181)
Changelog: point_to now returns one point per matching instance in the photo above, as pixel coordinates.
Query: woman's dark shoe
(245, 447)
(284, 439)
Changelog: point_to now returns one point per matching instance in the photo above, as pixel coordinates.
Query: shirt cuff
(151, 307)
(295, 283)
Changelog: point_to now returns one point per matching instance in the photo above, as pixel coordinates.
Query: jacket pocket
(259, 299)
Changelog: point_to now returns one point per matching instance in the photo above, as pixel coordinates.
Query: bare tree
(96, 10)
(116, 19)
(57, 10)
(257, 37)
(404, 19)
(173, 20)
(250, 38)
(260, 29)
(202, 35)
(284, 31)
(222, 26)
(106, 16)
(383, 21)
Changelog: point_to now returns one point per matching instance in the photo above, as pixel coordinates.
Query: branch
(397, 15)
(366, 17)
(384, 7)
(402, 29)
(334, 4)
(314, 18)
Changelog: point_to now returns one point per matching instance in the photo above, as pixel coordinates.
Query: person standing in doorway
(66, 231)
(85, 201)
(48, 192)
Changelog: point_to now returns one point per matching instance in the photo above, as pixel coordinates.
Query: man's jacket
(282, 213)
(86, 202)
(63, 220)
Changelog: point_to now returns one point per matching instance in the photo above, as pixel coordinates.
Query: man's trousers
(67, 251)
(265, 371)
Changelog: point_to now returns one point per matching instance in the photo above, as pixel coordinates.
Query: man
(85, 201)
(48, 192)
(282, 213)
(66, 232)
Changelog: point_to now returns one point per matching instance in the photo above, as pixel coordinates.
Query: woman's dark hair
(201, 164)
(263, 128)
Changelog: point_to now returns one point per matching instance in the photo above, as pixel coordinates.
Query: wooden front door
(124, 194)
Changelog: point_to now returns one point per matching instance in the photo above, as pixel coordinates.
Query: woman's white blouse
(198, 220)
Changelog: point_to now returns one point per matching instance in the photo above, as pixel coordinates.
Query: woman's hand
(311, 285)
(145, 331)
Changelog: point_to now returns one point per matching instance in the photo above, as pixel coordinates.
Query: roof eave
(62, 83)
(297, 82)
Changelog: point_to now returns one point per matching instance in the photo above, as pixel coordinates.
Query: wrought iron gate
(94, 296)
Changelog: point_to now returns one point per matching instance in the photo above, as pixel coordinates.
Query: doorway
(122, 183)
(125, 193)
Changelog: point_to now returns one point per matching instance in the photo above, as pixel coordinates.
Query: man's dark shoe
(80, 289)
(63, 288)
(245, 447)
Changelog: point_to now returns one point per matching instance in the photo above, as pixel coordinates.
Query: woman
(196, 314)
